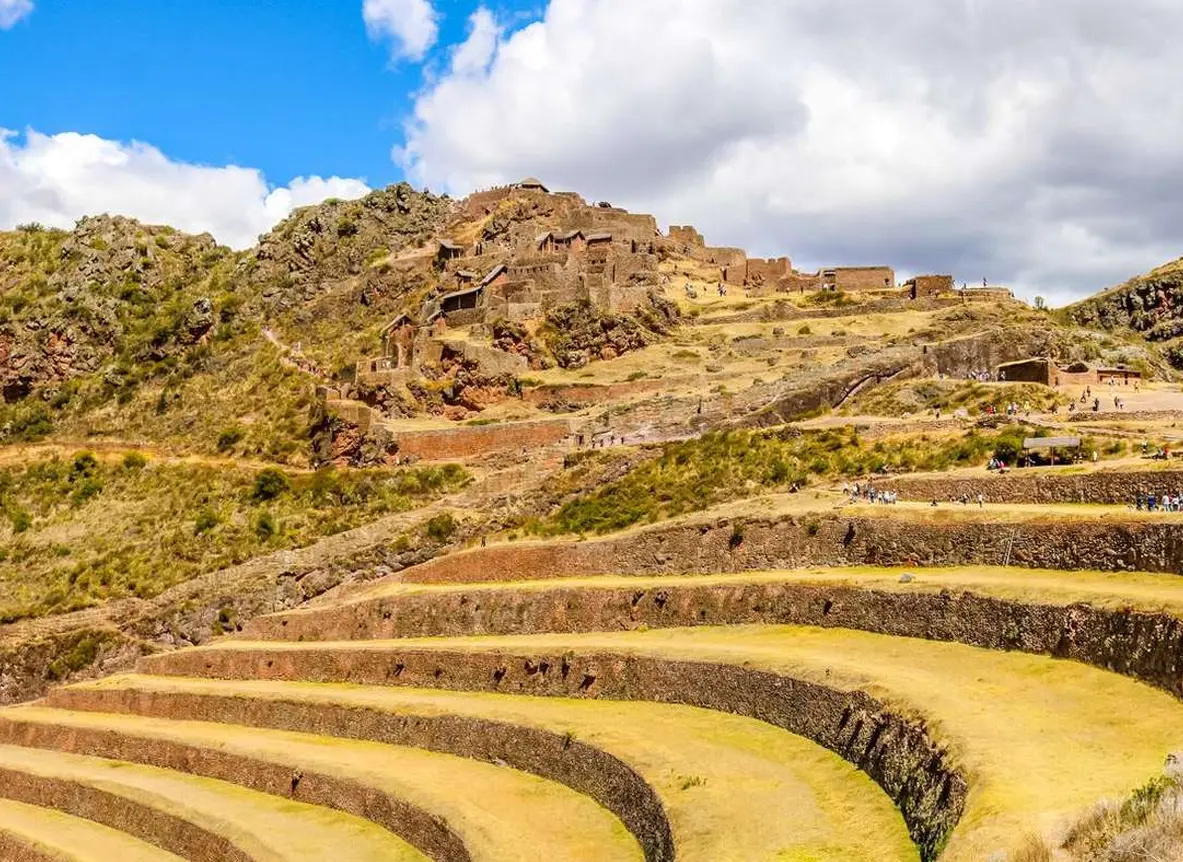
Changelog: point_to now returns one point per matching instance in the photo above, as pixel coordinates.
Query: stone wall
(1030, 485)
(858, 278)
(1142, 644)
(482, 203)
(420, 828)
(772, 269)
(929, 285)
(553, 756)
(826, 539)
(472, 441)
(897, 753)
(122, 813)
(686, 235)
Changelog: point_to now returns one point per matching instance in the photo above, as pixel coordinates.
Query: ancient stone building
(686, 236)
(1050, 373)
(858, 278)
(929, 285)
(986, 294)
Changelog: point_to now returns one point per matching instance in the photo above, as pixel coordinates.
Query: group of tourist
(870, 494)
(1154, 503)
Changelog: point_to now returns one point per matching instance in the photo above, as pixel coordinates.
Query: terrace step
(1037, 738)
(199, 819)
(1130, 623)
(29, 833)
(395, 609)
(436, 802)
(733, 788)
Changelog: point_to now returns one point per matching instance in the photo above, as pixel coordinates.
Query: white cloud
(473, 55)
(413, 25)
(1031, 143)
(57, 179)
(12, 11)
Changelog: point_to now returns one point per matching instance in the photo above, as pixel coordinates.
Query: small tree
(1040, 303)
(269, 484)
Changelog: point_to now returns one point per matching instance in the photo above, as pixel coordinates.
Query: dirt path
(293, 357)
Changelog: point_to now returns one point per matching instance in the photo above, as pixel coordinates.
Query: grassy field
(530, 812)
(723, 466)
(262, 825)
(735, 789)
(73, 838)
(913, 396)
(76, 532)
(1040, 739)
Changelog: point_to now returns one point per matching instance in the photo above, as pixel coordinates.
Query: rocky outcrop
(110, 289)
(319, 246)
(578, 333)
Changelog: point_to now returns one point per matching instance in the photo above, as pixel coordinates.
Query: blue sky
(292, 88)
(1035, 144)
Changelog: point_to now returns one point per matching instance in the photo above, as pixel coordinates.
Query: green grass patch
(82, 531)
(723, 466)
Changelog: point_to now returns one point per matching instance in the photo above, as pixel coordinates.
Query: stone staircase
(656, 718)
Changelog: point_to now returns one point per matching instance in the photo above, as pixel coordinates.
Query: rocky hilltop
(1150, 305)
(110, 294)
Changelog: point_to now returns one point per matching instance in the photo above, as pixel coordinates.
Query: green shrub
(21, 520)
(265, 526)
(269, 484)
(721, 466)
(134, 461)
(207, 519)
(85, 464)
(805, 330)
(228, 438)
(441, 527)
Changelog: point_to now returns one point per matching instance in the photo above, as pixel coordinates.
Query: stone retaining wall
(13, 847)
(1029, 485)
(167, 831)
(1145, 645)
(582, 767)
(896, 753)
(451, 444)
(825, 539)
(419, 828)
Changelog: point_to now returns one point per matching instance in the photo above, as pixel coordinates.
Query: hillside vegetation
(730, 465)
(78, 532)
(1148, 305)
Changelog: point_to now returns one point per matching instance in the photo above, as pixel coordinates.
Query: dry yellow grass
(735, 789)
(263, 826)
(73, 839)
(530, 811)
(1039, 739)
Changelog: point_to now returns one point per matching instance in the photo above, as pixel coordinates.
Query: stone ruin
(601, 255)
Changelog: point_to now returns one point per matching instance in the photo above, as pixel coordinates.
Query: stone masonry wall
(1031, 486)
(122, 813)
(824, 540)
(1143, 644)
(897, 753)
(553, 756)
(447, 444)
(417, 826)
